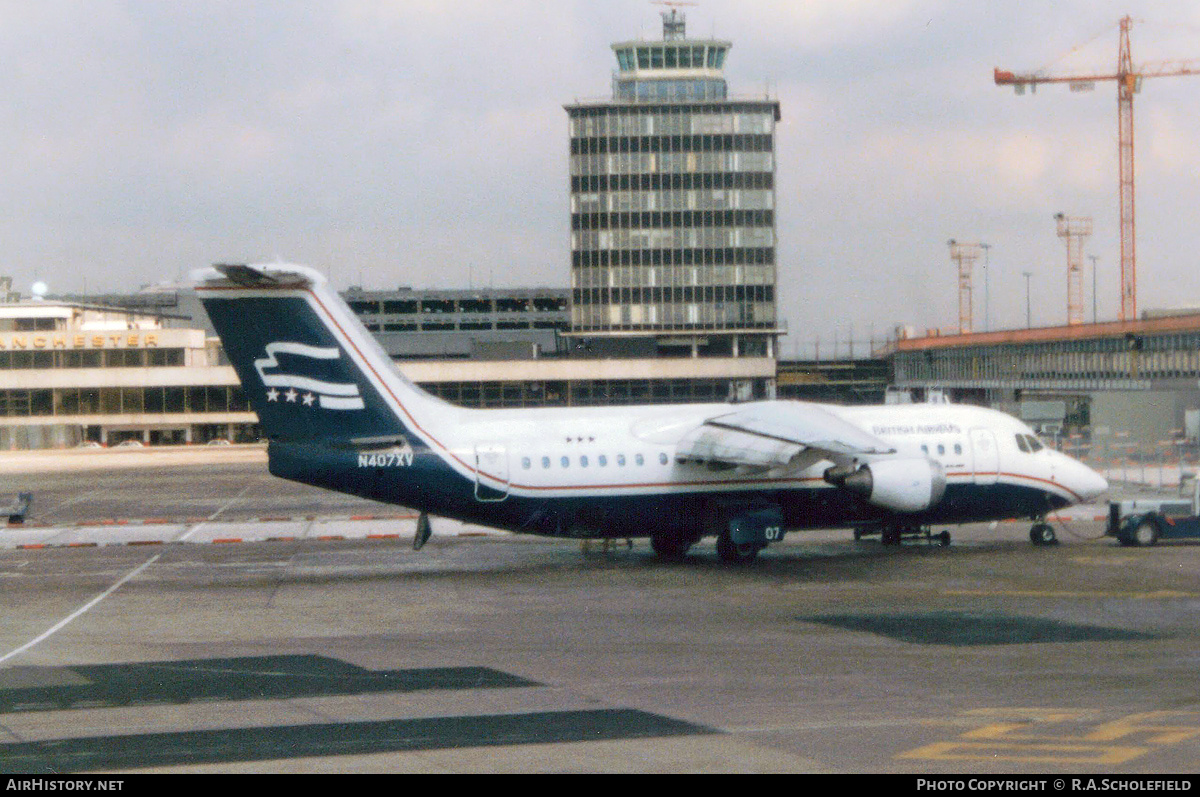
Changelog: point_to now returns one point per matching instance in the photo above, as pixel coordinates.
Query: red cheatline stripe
(226, 540)
(145, 542)
(366, 362)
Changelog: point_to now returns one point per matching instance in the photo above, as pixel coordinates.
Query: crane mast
(1129, 82)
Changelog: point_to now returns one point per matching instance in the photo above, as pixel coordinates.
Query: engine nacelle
(901, 485)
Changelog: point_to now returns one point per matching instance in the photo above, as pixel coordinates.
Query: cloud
(425, 142)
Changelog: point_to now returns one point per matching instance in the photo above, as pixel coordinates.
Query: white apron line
(210, 518)
(83, 609)
(80, 611)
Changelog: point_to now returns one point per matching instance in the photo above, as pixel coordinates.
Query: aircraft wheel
(943, 539)
(1043, 534)
(890, 536)
(669, 547)
(735, 553)
(1146, 533)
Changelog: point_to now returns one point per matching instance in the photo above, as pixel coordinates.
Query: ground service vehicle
(1144, 521)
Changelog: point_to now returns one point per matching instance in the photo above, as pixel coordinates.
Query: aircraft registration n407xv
(339, 414)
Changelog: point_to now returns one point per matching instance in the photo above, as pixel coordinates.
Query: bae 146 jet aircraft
(339, 414)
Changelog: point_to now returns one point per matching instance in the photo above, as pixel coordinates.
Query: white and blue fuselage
(340, 415)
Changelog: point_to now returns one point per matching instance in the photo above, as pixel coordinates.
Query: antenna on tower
(674, 21)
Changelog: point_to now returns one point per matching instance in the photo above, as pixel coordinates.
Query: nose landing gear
(1042, 533)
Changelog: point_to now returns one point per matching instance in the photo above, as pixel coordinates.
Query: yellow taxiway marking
(1109, 561)
(1028, 753)
(1162, 594)
(1021, 734)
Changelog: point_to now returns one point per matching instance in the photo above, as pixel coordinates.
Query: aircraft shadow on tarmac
(973, 628)
(284, 677)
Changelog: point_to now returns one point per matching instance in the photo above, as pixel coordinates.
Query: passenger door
(985, 455)
(491, 459)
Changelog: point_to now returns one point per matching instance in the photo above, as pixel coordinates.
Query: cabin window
(525, 463)
(925, 448)
(566, 462)
(958, 448)
(583, 461)
(662, 459)
(941, 450)
(545, 462)
(639, 460)
(621, 460)
(602, 460)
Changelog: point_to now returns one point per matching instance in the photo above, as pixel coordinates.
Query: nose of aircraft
(1085, 482)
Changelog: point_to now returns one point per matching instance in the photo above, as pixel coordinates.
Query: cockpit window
(1029, 444)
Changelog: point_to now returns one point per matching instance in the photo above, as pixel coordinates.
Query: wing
(776, 433)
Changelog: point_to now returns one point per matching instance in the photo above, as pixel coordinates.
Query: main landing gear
(670, 547)
(673, 549)
(737, 553)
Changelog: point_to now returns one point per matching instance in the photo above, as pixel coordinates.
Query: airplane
(339, 414)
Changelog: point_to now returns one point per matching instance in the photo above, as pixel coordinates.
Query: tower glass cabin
(673, 201)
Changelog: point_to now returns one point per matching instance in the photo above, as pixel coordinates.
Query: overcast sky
(424, 143)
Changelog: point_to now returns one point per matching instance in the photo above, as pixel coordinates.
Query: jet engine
(901, 485)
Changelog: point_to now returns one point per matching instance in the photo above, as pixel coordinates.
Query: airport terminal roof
(1187, 322)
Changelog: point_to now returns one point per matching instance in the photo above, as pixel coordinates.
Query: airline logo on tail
(306, 390)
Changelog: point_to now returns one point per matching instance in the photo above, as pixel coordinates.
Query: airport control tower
(673, 203)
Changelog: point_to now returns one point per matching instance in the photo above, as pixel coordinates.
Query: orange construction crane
(1129, 82)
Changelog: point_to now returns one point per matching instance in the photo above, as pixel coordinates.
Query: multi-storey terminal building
(672, 198)
(76, 373)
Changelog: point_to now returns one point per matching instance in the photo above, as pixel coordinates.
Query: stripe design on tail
(330, 395)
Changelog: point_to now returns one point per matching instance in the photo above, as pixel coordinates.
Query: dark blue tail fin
(308, 367)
